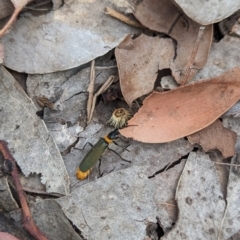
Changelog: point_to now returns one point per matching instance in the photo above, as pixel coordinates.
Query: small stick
(193, 55)
(18, 8)
(91, 90)
(104, 87)
(227, 164)
(121, 17)
(167, 204)
(28, 222)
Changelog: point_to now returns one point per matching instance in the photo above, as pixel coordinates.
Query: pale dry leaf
(231, 219)
(29, 140)
(177, 113)
(7, 201)
(112, 206)
(166, 185)
(223, 56)
(72, 35)
(50, 219)
(199, 199)
(208, 12)
(138, 63)
(215, 136)
(163, 16)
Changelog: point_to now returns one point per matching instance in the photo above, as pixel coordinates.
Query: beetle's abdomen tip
(82, 175)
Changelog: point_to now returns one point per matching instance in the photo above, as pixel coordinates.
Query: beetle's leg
(124, 148)
(86, 145)
(123, 159)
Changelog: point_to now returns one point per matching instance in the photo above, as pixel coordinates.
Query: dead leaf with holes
(215, 136)
(138, 73)
(165, 17)
(180, 112)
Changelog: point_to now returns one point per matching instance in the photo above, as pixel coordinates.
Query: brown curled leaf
(180, 112)
(165, 17)
(138, 63)
(215, 136)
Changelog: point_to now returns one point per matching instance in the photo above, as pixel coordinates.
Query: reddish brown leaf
(7, 236)
(164, 16)
(6, 8)
(215, 136)
(180, 112)
(138, 63)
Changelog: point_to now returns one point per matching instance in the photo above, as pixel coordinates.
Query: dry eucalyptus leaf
(28, 139)
(115, 205)
(208, 12)
(72, 35)
(51, 220)
(200, 201)
(180, 112)
(231, 220)
(7, 236)
(6, 8)
(166, 184)
(138, 63)
(7, 201)
(119, 205)
(215, 136)
(163, 16)
(233, 124)
(223, 56)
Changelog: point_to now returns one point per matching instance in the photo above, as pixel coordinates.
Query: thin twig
(123, 18)
(104, 87)
(105, 67)
(167, 204)
(228, 164)
(193, 55)
(10, 21)
(91, 90)
(28, 222)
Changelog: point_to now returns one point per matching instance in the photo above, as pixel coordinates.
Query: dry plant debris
(223, 57)
(185, 110)
(207, 12)
(74, 34)
(28, 222)
(201, 208)
(138, 73)
(168, 183)
(34, 148)
(164, 17)
(215, 136)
